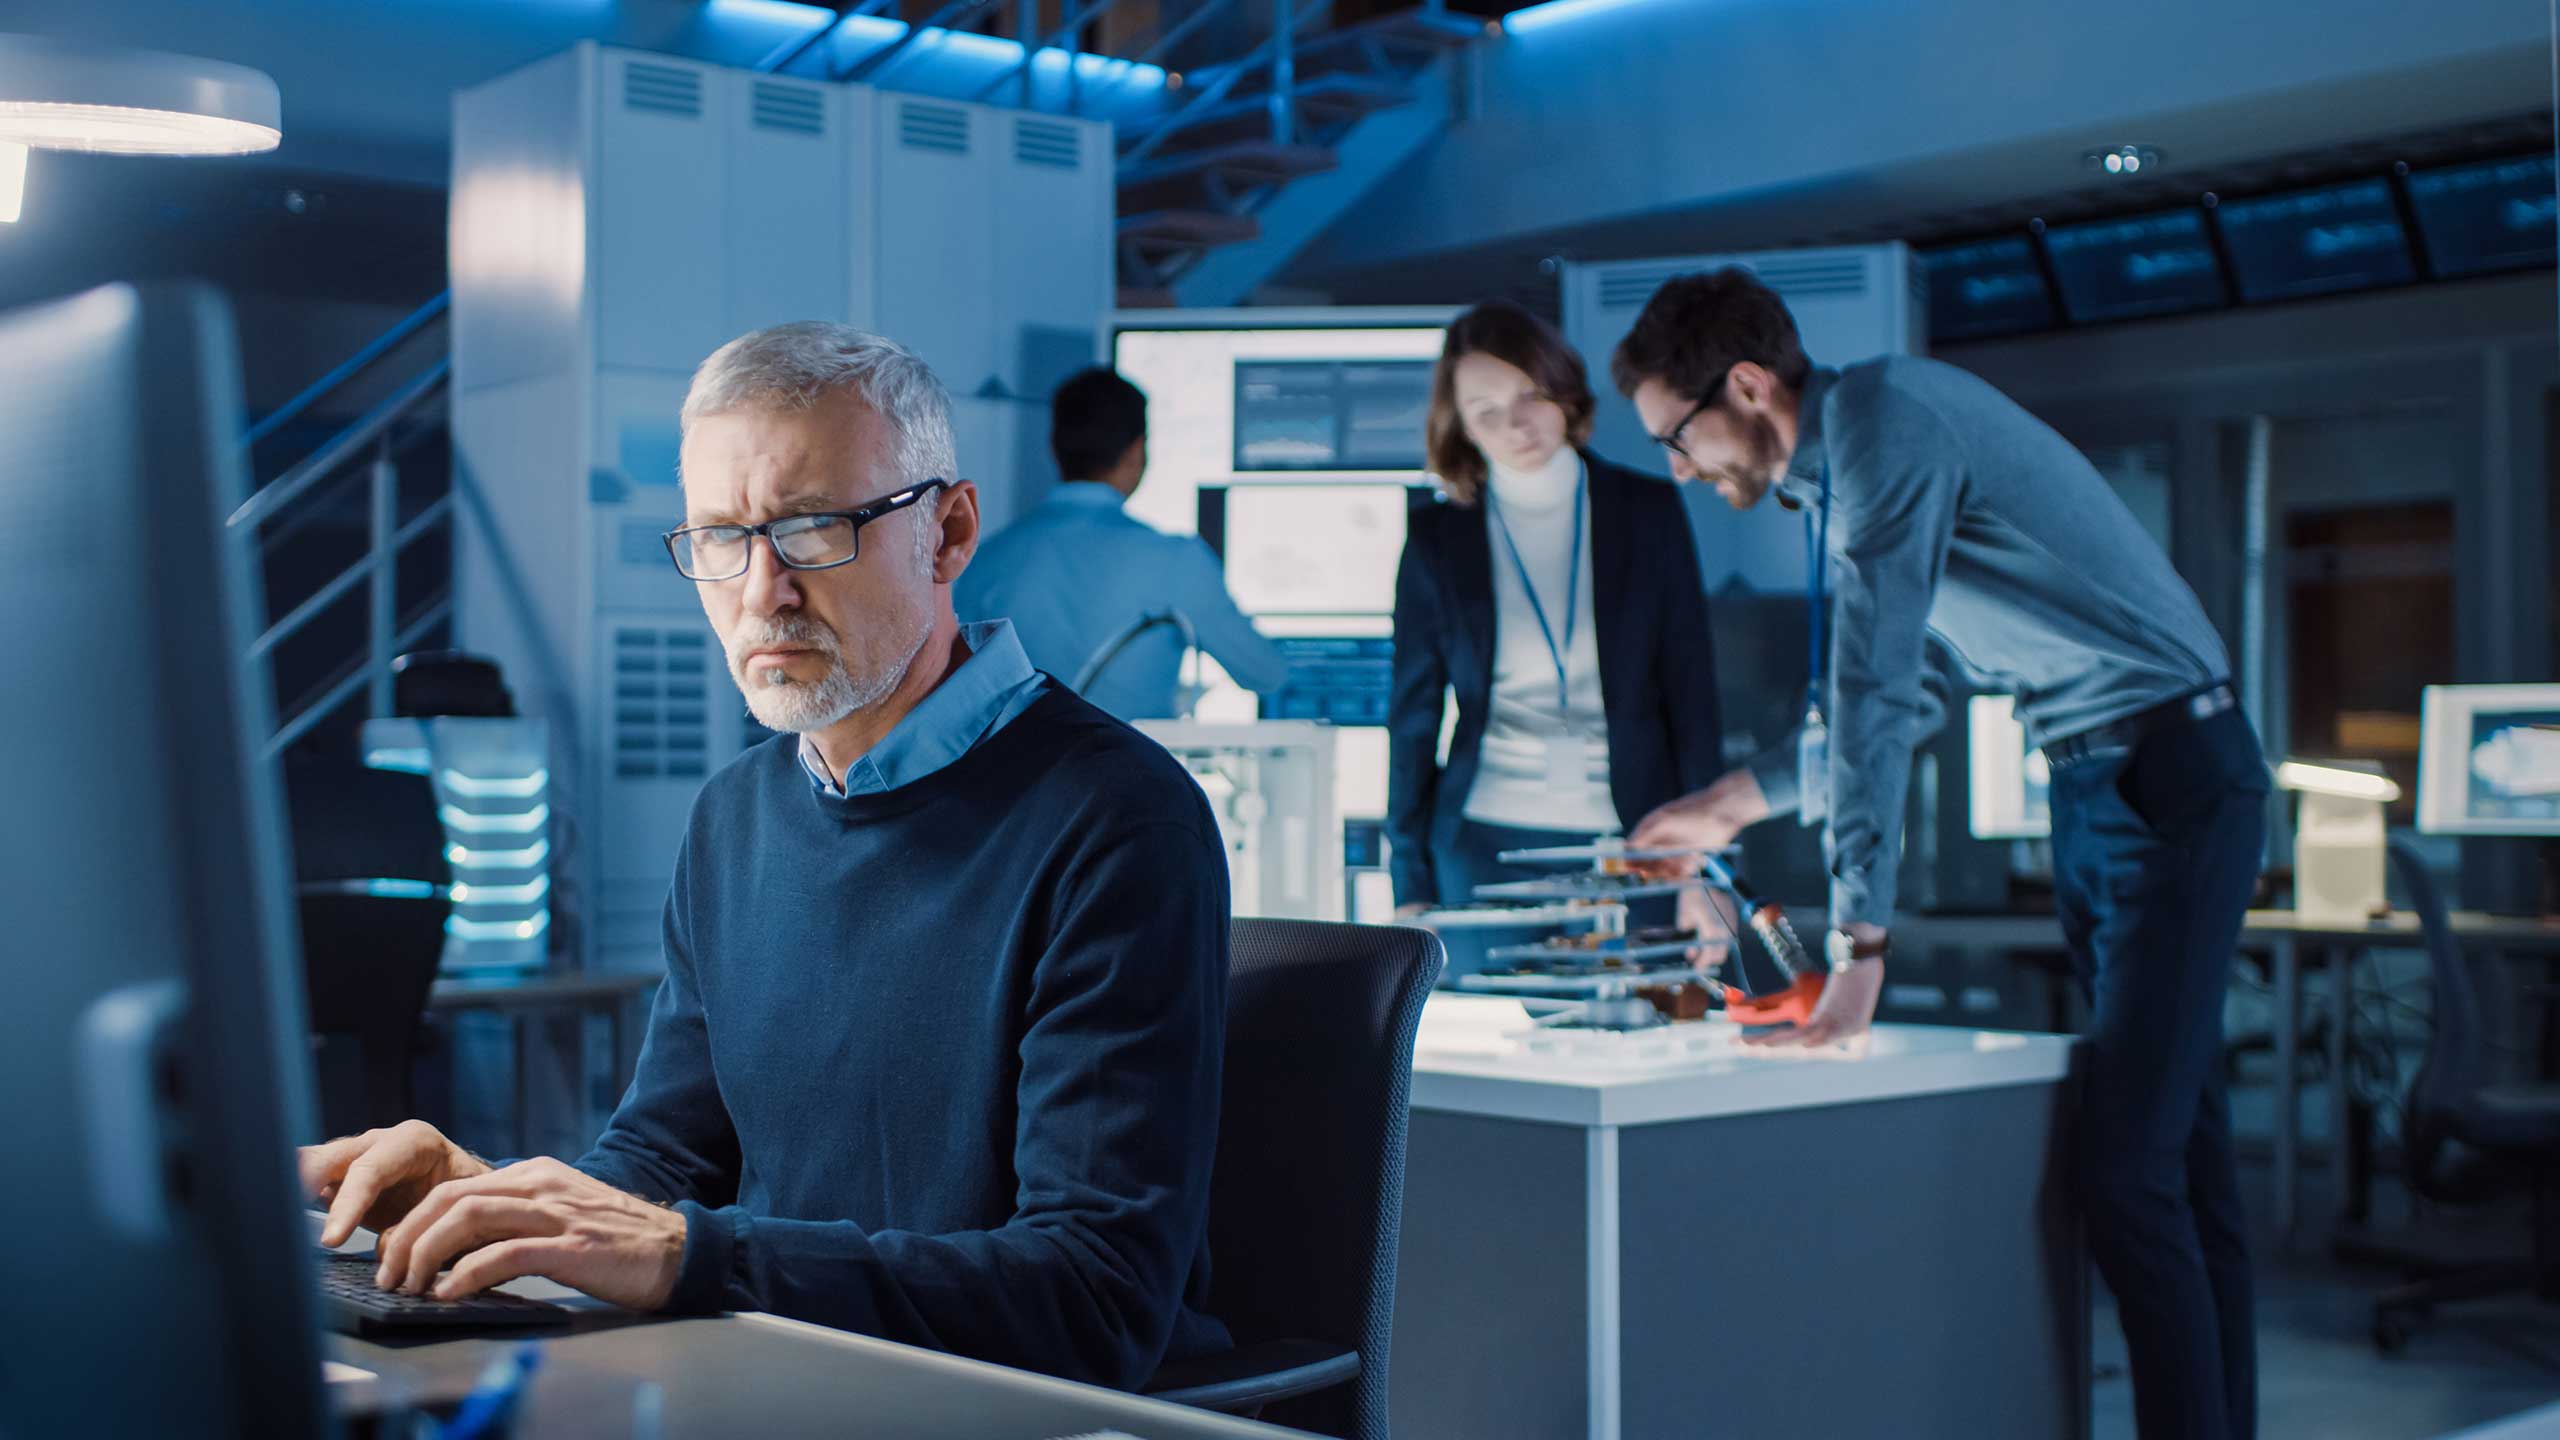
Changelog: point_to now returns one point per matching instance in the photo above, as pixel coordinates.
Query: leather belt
(2126, 733)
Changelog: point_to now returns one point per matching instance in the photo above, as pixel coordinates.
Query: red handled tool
(1793, 1005)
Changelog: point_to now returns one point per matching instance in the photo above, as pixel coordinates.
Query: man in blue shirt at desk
(1080, 572)
(1949, 512)
(938, 1051)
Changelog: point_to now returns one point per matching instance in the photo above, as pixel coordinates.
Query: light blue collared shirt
(1079, 570)
(983, 695)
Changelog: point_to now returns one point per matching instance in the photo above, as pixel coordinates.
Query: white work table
(1468, 1060)
(1603, 1242)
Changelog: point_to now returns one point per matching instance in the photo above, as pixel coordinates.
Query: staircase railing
(374, 438)
(1278, 53)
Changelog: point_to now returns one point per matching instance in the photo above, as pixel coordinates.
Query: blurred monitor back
(151, 1038)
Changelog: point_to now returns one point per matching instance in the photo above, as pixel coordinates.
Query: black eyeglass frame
(777, 529)
(1670, 439)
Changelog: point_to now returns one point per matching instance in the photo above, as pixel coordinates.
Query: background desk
(2290, 943)
(2288, 937)
(609, 993)
(1590, 1250)
(755, 1377)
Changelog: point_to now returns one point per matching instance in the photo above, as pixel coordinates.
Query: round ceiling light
(2123, 159)
(55, 96)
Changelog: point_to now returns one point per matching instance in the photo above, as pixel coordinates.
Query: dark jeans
(1460, 867)
(2155, 851)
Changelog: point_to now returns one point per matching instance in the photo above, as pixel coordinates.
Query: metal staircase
(1314, 116)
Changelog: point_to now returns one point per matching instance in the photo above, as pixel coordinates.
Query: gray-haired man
(937, 1055)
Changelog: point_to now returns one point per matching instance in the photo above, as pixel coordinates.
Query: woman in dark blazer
(1558, 597)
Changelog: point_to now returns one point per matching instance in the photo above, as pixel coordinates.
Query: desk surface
(2532, 933)
(2513, 932)
(772, 1379)
(540, 991)
(1467, 1060)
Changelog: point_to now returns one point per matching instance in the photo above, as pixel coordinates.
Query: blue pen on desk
(491, 1404)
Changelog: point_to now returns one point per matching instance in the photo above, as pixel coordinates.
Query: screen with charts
(1331, 414)
(1342, 679)
(1298, 547)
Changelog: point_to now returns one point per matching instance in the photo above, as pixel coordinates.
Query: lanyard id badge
(1568, 766)
(1567, 754)
(1813, 740)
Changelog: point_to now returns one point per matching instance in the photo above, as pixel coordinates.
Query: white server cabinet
(1001, 299)
(1850, 304)
(616, 216)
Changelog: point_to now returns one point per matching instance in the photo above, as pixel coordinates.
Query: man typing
(937, 1054)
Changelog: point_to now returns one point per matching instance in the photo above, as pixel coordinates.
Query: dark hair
(1523, 341)
(1697, 327)
(1094, 417)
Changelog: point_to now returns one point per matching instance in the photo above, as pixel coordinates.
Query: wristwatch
(1843, 952)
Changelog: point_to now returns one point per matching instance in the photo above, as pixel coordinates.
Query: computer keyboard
(351, 1304)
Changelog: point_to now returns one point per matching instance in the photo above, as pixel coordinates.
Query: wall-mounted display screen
(1993, 287)
(2125, 269)
(2496, 215)
(2316, 242)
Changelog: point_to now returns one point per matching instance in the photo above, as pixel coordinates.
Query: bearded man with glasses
(937, 1056)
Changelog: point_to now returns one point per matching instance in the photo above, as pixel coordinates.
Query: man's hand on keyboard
(375, 1178)
(536, 1217)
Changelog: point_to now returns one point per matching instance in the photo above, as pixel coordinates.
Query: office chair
(1307, 1192)
(2468, 1138)
(368, 962)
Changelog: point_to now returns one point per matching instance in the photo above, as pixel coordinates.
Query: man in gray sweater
(1940, 508)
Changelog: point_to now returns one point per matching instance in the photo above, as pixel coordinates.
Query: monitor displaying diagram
(2489, 761)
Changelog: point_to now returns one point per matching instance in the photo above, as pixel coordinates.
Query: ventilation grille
(1793, 277)
(661, 703)
(1628, 287)
(1046, 142)
(661, 89)
(934, 127)
(793, 108)
(1812, 277)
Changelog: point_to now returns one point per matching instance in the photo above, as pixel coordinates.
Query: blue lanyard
(1556, 651)
(1817, 564)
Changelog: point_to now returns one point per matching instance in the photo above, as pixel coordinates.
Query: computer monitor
(155, 1253)
(2489, 760)
(1328, 391)
(2012, 784)
(1304, 547)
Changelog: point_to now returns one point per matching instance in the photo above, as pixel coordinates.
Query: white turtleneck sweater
(1512, 785)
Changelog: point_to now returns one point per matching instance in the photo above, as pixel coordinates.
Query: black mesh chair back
(2456, 1065)
(368, 962)
(1309, 1185)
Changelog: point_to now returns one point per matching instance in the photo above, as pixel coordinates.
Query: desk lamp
(2337, 840)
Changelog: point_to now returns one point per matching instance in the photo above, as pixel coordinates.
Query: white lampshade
(13, 181)
(56, 96)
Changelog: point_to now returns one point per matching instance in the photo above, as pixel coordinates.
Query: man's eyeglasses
(1675, 439)
(821, 540)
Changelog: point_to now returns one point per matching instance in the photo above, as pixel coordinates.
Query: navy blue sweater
(941, 1064)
